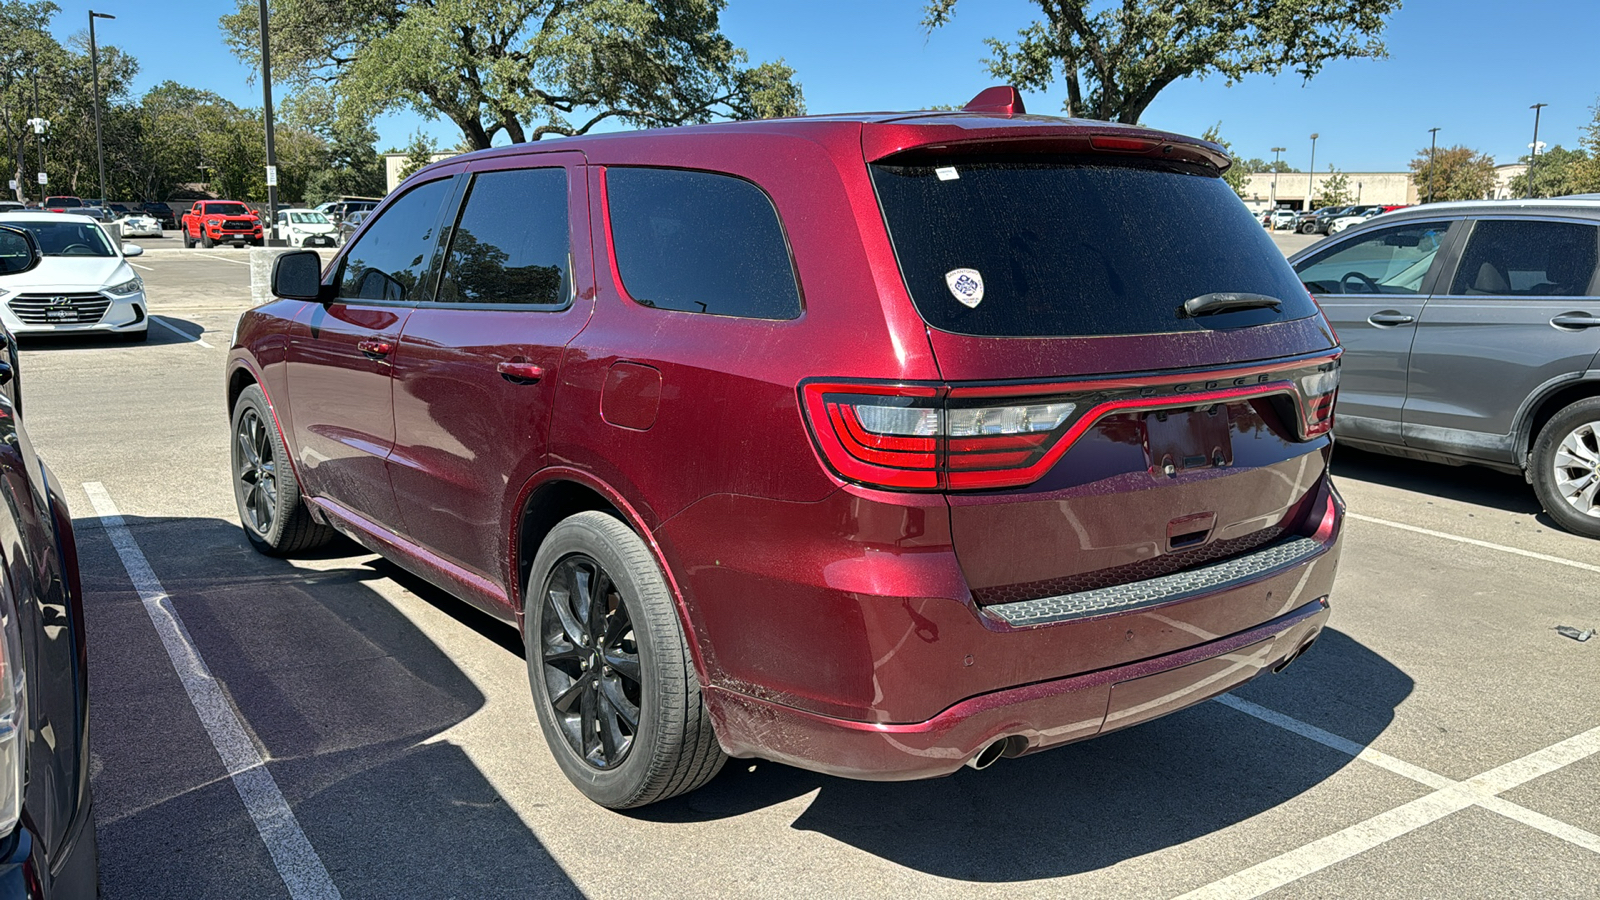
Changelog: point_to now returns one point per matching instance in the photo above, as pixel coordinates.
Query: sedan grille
(60, 309)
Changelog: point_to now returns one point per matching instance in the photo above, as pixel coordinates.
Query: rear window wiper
(1225, 301)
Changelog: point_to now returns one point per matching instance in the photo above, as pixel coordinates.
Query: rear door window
(699, 242)
(1524, 258)
(1074, 246)
(511, 244)
(1388, 261)
(390, 261)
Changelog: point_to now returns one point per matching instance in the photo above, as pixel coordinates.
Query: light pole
(272, 156)
(94, 70)
(39, 125)
(1533, 151)
(1433, 147)
(1275, 152)
(1358, 193)
(1312, 179)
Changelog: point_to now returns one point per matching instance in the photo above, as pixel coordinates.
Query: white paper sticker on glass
(966, 285)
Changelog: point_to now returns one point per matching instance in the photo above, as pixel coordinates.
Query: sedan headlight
(132, 286)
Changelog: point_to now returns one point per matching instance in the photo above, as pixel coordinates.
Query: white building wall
(1387, 188)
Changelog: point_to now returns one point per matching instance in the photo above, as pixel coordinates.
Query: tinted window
(1389, 261)
(1072, 246)
(699, 242)
(1528, 258)
(390, 260)
(511, 243)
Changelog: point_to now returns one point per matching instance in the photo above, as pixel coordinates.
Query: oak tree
(1452, 173)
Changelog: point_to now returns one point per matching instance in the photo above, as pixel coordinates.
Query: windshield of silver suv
(1079, 247)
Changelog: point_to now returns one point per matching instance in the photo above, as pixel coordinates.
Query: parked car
(47, 834)
(816, 440)
(306, 228)
(339, 210)
(1355, 216)
(161, 212)
(12, 205)
(1283, 218)
(1317, 222)
(1470, 337)
(83, 284)
(121, 209)
(97, 213)
(138, 225)
(212, 222)
(350, 224)
(62, 203)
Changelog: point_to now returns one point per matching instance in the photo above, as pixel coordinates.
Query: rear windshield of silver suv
(1073, 246)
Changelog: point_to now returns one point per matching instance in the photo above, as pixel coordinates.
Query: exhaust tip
(989, 755)
(1293, 656)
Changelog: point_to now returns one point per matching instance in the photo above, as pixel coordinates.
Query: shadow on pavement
(1089, 805)
(1468, 484)
(342, 695)
(158, 336)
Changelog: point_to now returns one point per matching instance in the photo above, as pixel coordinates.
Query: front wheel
(613, 681)
(275, 517)
(206, 241)
(1308, 228)
(1566, 467)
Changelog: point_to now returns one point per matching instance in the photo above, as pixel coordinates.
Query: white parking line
(297, 862)
(180, 332)
(1448, 797)
(137, 266)
(237, 262)
(1587, 567)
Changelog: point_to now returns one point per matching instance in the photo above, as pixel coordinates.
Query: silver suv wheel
(1576, 468)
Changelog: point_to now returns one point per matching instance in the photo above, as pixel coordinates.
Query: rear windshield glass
(1075, 247)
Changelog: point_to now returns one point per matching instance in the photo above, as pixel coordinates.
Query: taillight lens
(1318, 389)
(13, 721)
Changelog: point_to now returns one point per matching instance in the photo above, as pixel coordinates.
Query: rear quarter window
(700, 242)
(1076, 246)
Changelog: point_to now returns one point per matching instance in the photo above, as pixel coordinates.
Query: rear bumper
(1035, 717)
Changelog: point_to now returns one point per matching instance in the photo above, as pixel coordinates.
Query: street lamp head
(1314, 135)
(95, 15)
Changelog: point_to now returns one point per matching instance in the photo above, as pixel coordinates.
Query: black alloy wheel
(590, 662)
(255, 468)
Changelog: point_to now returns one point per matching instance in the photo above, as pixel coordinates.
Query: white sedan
(139, 225)
(307, 228)
(83, 285)
(1343, 222)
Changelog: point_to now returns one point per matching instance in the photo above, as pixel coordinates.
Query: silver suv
(1470, 335)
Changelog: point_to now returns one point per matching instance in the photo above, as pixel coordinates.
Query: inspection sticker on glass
(966, 285)
(947, 173)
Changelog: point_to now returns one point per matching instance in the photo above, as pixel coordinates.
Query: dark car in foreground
(1472, 335)
(47, 835)
(878, 445)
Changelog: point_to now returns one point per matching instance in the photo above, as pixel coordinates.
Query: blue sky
(1470, 67)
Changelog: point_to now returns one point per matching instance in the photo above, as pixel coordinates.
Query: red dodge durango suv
(877, 445)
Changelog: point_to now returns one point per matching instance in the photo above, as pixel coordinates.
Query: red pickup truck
(212, 222)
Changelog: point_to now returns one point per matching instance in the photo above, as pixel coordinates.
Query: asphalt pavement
(1440, 740)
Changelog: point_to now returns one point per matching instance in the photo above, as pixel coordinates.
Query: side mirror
(18, 251)
(132, 250)
(297, 275)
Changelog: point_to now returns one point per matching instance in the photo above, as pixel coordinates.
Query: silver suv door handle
(1575, 320)
(1391, 317)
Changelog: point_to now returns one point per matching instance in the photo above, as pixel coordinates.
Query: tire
(206, 241)
(1566, 467)
(275, 517)
(188, 242)
(1308, 228)
(671, 749)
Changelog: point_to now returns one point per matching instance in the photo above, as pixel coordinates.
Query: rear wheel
(618, 699)
(188, 242)
(275, 517)
(1566, 467)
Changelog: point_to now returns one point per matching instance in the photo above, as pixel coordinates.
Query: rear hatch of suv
(1135, 383)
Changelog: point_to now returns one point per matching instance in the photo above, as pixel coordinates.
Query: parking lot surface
(1440, 740)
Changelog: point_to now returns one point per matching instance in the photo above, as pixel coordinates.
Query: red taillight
(1318, 388)
(1123, 144)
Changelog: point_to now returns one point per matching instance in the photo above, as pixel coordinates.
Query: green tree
(418, 154)
(352, 166)
(1558, 172)
(1455, 173)
(1116, 60)
(1333, 190)
(1256, 164)
(522, 68)
(1586, 172)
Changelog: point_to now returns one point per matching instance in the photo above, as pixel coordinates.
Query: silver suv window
(1527, 258)
(1389, 261)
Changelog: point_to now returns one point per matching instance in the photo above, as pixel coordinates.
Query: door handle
(520, 372)
(1391, 317)
(1575, 320)
(375, 348)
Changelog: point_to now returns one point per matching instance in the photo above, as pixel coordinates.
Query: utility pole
(1275, 152)
(94, 69)
(1433, 149)
(271, 223)
(39, 125)
(1312, 180)
(1533, 151)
